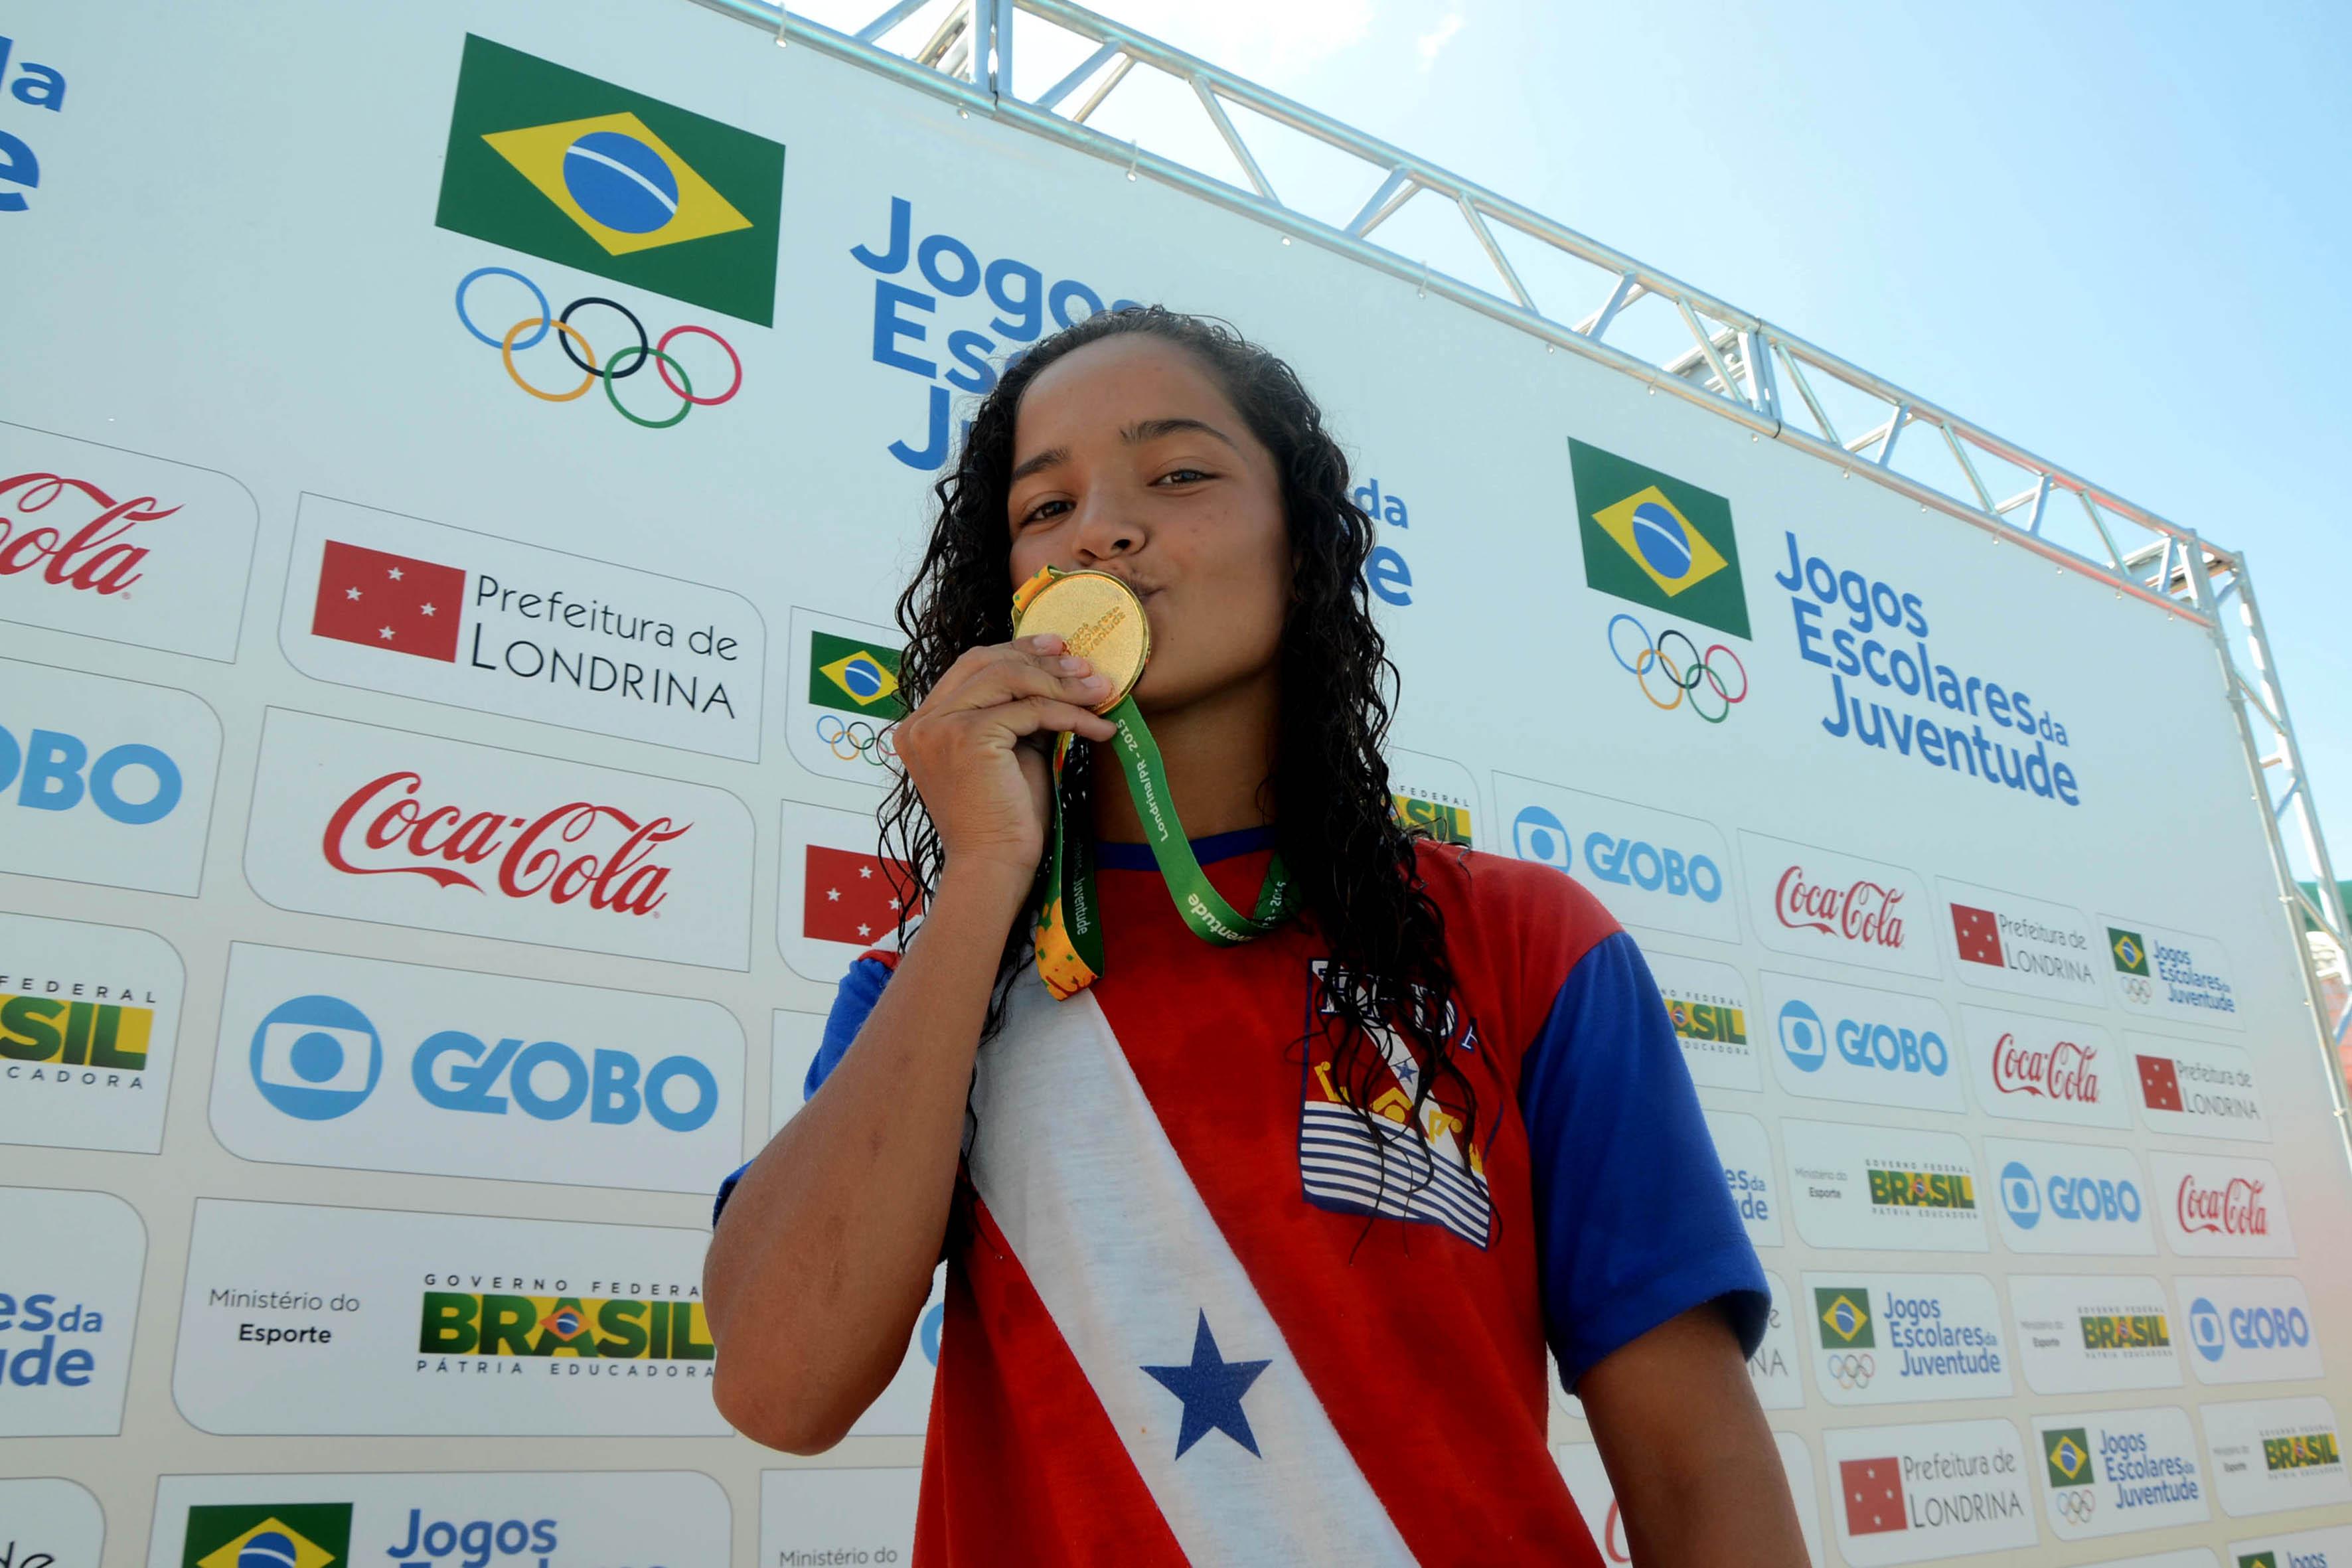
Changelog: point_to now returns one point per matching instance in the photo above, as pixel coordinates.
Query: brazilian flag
(2067, 1453)
(855, 677)
(281, 1534)
(562, 165)
(1845, 1318)
(1650, 537)
(2131, 953)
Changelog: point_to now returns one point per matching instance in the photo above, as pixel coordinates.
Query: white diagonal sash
(1081, 1178)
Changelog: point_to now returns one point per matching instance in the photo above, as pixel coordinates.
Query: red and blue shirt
(1197, 1312)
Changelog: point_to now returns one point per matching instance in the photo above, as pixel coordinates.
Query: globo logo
(1630, 862)
(1537, 834)
(2093, 1199)
(1802, 1040)
(318, 1057)
(551, 1081)
(2085, 1198)
(2020, 1195)
(2205, 1328)
(1893, 1049)
(53, 771)
(2247, 1328)
(1888, 1048)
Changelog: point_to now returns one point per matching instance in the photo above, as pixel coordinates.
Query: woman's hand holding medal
(978, 748)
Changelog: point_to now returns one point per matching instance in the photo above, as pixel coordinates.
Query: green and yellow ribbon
(1070, 921)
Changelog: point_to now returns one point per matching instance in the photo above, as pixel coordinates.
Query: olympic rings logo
(2077, 1504)
(856, 740)
(1681, 674)
(575, 347)
(1850, 1371)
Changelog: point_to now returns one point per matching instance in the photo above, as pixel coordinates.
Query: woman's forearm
(1734, 1511)
(825, 1255)
(1698, 1481)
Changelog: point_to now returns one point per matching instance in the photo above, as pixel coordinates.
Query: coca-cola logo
(1862, 911)
(576, 851)
(2233, 1210)
(2066, 1071)
(87, 546)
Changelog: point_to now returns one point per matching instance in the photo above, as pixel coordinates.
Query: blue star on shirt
(1212, 1389)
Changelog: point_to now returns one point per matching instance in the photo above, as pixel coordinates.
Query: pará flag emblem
(267, 1535)
(1653, 539)
(854, 676)
(559, 165)
(398, 603)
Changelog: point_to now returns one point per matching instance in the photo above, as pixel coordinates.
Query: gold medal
(1097, 618)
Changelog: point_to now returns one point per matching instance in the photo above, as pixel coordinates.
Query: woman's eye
(1185, 476)
(1042, 510)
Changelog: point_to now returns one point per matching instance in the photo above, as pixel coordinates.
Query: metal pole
(1639, 279)
(2290, 899)
(982, 33)
(1003, 68)
(2258, 652)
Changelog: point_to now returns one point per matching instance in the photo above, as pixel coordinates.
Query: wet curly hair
(1353, 864)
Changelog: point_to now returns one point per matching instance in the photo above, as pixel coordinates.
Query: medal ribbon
(1070, 921)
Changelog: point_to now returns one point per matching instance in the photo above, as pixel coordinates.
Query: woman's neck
(1217, 753)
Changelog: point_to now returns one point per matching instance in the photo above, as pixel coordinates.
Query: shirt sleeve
(860, 989)
(1634, 1222)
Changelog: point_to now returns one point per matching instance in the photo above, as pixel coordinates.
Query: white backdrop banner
(439, 745)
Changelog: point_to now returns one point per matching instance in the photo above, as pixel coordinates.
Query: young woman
(1253, 1251)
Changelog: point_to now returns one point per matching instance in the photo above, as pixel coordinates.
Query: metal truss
(1691, 344)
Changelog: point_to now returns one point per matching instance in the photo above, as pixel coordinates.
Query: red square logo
(1978, 933)
(393, 602)
(2160, 1083)
(1873, 1495)
(849, 897)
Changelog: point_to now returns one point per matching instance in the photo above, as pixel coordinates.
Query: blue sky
(2114, 234)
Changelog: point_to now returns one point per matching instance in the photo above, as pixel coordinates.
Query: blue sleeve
(860, 989)
(1634, 1222)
